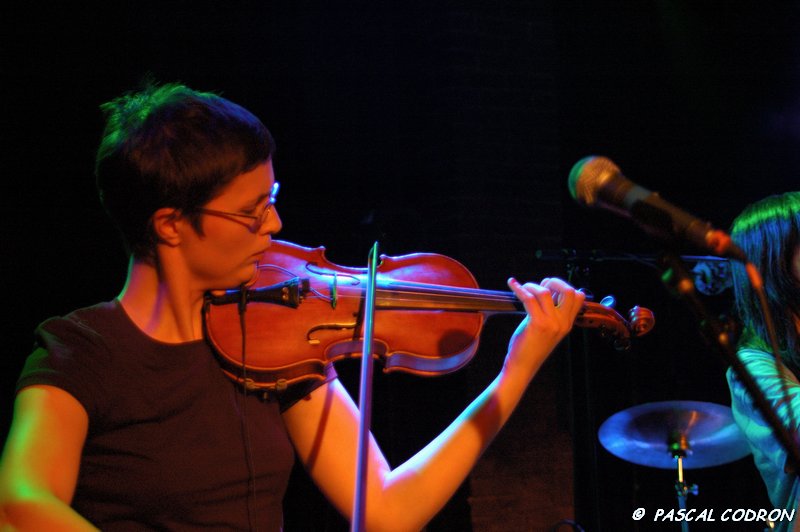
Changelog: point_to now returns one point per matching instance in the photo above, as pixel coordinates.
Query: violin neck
(400, 295)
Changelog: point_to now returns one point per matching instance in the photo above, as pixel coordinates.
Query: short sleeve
(69, 355)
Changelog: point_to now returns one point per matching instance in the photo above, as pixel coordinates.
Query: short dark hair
(171, 146)
(768, 231)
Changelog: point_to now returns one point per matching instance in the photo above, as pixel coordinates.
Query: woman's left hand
(552, 307)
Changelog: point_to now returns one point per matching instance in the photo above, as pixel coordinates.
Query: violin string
(415, 288)
(416, 295)
(320, 294)
(412, 295)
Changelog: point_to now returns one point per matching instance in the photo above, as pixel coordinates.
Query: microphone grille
(588, 176)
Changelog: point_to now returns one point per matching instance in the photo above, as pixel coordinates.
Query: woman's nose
(273, 224)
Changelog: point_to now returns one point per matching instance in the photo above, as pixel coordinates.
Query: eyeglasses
(257, 221)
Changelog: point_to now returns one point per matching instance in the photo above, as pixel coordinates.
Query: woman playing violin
(123, 419)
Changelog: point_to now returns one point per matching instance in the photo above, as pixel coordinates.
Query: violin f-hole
(330, 327)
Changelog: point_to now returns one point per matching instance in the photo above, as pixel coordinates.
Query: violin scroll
(611, 324)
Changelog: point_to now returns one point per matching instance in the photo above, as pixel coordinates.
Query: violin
(429, 316)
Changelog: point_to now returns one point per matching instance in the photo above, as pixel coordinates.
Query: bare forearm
(41, 513)
(416, 490)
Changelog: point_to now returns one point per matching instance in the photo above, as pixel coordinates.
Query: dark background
(447, 127)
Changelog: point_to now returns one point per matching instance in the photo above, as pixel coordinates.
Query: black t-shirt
(168, 432)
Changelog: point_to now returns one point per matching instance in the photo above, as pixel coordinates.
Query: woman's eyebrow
(260, 199)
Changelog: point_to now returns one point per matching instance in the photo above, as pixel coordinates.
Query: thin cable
(251, 496)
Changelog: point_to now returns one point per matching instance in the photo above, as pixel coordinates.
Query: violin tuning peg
(609, 301)
(642, 320)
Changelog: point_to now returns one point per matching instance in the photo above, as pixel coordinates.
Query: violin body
(428, 319)
(292, 344)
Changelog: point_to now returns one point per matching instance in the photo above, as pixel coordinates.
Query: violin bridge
(334, 291)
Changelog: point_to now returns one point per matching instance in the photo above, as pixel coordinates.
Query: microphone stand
(582, 394)
(676, 277)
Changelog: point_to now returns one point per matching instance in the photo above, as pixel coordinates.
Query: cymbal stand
(679, 446)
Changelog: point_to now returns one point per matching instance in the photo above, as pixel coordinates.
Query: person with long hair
(768, 231)
(123, 418)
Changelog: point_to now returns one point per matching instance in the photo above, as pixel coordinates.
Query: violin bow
(365, 396)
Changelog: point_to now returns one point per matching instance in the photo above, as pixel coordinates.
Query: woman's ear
(165, 225)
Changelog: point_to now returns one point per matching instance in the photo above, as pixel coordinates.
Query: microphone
(597, 182)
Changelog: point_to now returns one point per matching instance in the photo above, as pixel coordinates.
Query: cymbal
(655, 434)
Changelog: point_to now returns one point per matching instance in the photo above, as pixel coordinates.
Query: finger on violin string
(525, 290)
(569, 299)
(562, 292)
(556, 295)
(557, 298)
(536, 298)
